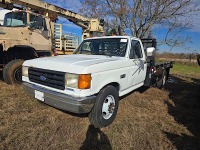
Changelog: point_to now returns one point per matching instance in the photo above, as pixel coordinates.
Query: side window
(44, 24)
(86, 48)
(38, 21)
(136, 50)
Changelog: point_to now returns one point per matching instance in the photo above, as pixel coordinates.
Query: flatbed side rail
(164, 65)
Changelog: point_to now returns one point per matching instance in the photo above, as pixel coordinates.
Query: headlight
(25, 71)
(82, 81)
(71, 80)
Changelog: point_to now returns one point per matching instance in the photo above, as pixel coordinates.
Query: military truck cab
(24, 35)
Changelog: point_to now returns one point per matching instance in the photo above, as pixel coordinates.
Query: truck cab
(24, 35)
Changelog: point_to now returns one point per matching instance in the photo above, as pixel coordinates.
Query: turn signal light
(84, 81)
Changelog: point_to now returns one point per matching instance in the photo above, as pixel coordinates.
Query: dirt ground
(148, 118)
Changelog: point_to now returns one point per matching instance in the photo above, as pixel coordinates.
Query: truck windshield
(103, 46)
(15, 19)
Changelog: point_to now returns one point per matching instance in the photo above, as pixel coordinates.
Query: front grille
(54, 79)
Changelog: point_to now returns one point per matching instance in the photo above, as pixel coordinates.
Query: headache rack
(54, 79)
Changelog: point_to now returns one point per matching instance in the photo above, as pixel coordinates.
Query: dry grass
(147, 119)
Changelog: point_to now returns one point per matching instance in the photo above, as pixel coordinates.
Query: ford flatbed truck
(92, 79)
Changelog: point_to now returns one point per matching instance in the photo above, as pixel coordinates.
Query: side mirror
(40, 23)
(151, 52)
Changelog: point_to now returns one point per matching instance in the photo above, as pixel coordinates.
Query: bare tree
(113, 11)
(141, 17)
(172, 15)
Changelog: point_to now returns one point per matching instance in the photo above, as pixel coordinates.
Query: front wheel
(105, 108)
(12, 73)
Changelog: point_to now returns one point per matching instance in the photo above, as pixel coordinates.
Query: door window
(136, 50)
(38, 22)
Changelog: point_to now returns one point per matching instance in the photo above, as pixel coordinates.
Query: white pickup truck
(92, 79)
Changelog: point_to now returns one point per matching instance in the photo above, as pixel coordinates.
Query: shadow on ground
(95, 139)
(186, 111)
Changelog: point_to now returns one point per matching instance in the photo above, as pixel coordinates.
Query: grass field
(192, 70)
(147, 119)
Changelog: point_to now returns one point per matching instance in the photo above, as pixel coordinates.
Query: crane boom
(88, 25)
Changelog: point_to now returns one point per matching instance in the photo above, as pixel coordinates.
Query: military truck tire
(105, 108)
(12, 73)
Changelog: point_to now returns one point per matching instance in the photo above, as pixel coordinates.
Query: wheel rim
(108, 107)
(18, 74)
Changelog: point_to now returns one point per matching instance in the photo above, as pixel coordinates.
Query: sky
(190, 47)
(193, 32)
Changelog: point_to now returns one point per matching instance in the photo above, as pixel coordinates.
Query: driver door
(138, 65)
(40, 36)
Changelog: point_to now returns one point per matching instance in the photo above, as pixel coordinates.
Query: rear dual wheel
(105, 108)
(160, 83)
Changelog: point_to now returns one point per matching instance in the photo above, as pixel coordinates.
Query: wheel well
(17, 52)
(115, 84)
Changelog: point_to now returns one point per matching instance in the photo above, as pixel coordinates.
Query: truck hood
(75, 63)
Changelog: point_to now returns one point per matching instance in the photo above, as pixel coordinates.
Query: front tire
(12, 72)
(105, 108)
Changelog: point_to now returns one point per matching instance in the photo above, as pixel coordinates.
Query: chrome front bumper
(62, 101)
